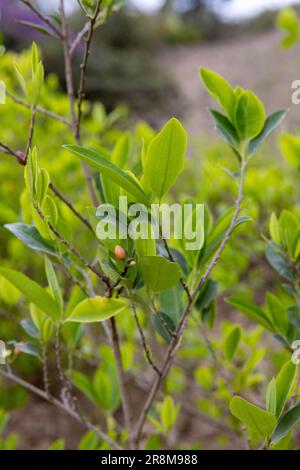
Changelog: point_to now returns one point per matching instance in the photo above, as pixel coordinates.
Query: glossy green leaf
(284, 383)
(54, 284)
(220, 89)
(165, 158)
(286, 424)
(97, 309)
(256, 419)
(33, 291)
(96, 160)
(249, 116)
(271, 397)
(271, 123)
(159, 273)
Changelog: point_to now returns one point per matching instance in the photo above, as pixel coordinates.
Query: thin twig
(39, 109)
(31, 131)
(42, 17)
(54, 401)
(70, 206)
(74, 250)
(45, 369)
(79, 37)
(83, 67)
(144, 341)
(169, 356)
(70, 91)
(118, 358)
(171, 258)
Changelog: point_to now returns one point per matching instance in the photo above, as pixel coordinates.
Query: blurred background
(148, 54)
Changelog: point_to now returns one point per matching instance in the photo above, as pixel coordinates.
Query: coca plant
(143, 292)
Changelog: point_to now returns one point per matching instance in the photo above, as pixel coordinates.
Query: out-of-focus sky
(236, 9)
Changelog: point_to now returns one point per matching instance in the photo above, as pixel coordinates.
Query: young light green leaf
(278, 313)
(97, 309)
(220, 89)
(290, 148)
(284, 383)
(168, 412)
(231, 342)
(286, 424)
(271, 399)
(274, 229)
(165, 158)
(287, 20)
(33, 291)
(256, 419)
(100, 163)
(53, 284)
(159, 273)
(249, 116)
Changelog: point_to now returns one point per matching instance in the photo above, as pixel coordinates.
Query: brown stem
(70, 206)
(118, 358)
(54, 401)
(83, 67)
(169, 356)
(74, 250)
(42, 17)
(39, 109)
(70, 91)
(144, 341)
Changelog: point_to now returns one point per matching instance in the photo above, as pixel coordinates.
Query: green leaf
(284, 383)
(33, 291)
(171, 302)
(220, 89)
(287, 20)
(251, 310)
(271, 399)
(159, 273)
(165, 158)
(274, 229)
(121, 151)
(286, 424)
(256, 419)
(53, 284)
(97, 309)
(232, 342)
(249, 116)
(290, 148)
(29, 235)
(98, 161)
(168, 412)
(272, 122)
(225, 128)
(278, 313)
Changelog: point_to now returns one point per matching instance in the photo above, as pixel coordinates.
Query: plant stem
(54, 401)
(171, 351)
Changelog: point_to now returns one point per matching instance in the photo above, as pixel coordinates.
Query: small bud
(20, 156)
(119, 252)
